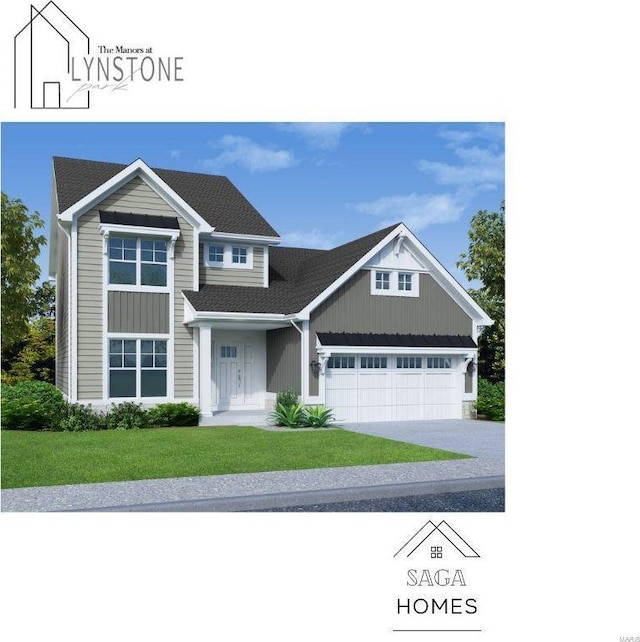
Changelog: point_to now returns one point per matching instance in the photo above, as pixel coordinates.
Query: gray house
(172, 287)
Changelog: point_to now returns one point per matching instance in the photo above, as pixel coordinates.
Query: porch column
(205, 371)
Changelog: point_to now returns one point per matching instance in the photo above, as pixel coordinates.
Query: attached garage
(400, 382)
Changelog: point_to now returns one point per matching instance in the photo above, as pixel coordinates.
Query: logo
(419, 539)
(53, 66)
(437, 572)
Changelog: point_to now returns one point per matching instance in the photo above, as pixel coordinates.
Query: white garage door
(393, 388)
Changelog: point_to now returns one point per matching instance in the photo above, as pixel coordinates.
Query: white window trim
(227, 263)
(131, 231)
(128, 336)
(394, 283)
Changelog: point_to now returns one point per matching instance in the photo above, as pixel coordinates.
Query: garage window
(438, 362)
(343, 362)
(409, 362)
(373, 362)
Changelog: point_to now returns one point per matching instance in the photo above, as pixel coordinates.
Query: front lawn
(51, 458)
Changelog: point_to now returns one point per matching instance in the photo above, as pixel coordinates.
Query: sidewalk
(256, 491)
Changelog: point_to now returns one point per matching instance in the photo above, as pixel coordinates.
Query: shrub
(491, 399)
(287, 398)
(31, 405)
(289, 416)
(174, 414)
(317, 417)
(127, 416)
(78, 418)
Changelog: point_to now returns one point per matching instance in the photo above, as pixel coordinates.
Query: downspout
(293, 323)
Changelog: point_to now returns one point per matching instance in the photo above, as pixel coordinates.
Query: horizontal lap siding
(231, 276)
(283, 360)
(62, 313)
(139, 312)
(352, 308)
(183, 344)
(89, 300)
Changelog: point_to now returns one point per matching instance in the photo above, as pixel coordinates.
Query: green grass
(51, 458)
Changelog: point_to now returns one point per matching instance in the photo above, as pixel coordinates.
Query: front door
(234, 370)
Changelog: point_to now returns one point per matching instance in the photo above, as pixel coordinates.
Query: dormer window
(218, 255)
(239, 255)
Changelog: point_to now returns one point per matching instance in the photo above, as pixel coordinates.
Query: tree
(484, 262)
(19, 268)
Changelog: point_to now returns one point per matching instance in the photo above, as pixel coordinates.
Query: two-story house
(172, 287)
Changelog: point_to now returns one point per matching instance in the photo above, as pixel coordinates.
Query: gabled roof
(215, 198)
(297, 277)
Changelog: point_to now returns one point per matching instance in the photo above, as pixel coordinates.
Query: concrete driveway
(482, 439)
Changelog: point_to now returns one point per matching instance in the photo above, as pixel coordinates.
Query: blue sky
(318, 184)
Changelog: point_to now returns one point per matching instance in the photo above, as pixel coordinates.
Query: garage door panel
(400, 394)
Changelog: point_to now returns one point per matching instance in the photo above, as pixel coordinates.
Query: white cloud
(479, 167)
(175, 153)
(314, 239)
(242, 151)
(418, 211)
(324, 136)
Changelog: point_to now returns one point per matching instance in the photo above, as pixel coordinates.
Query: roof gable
(213, 199)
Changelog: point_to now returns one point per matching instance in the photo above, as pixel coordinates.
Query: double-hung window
(137, 368)
(137, 261)
(216, 254)
(239, 255)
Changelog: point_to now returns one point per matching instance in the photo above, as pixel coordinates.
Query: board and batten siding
(137, 197)
(89, 302)
(62, 312)
(283, 360)
(352, 308)
(138, 312)
(230, 276)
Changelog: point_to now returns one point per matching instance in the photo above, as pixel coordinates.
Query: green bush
(317, 417)
(287, 398)
(31, 405)
(174, 414)
(79, 418)
(127, 416)
(491, 399)
(289, 416)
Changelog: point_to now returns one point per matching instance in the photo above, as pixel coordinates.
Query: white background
(563, 560)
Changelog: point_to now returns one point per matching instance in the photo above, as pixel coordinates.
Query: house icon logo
(43, 51)
(434, 542)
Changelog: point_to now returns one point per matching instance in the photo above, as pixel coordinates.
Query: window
(373, 362)
(395, 283)
(409, 362)
(137, 368)
(137, 261)
(382, 280)
(239, 255)
(216, 253)
(341, 362)
(122, 260)
(438, 362)
(404, 281)
(228, 352)
(219, 255)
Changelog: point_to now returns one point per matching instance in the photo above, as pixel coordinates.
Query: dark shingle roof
(396, 340)
(215, 198)
(297, 277)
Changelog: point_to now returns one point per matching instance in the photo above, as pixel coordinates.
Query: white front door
(234, 374)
